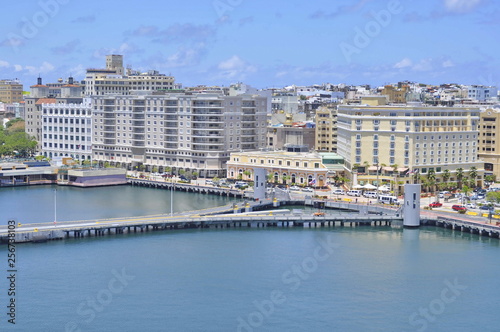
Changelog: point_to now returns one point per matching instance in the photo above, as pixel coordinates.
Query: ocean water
(271, 279)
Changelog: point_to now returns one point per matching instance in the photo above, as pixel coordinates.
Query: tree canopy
(14, 141)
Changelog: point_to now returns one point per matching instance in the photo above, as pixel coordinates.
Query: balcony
(138, 137)
(109, 129)
(171, 145)
(171, 132)
(138, 116)
(138, 131)
(210, 141)
(138, 123)
(109, 122)
(197, 147)
(205, 126)
(109, 141)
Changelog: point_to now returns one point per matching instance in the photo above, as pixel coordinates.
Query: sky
(261, 43)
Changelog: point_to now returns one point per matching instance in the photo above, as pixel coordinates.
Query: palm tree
(460, 176)
(446, 175)
(431, 178)
(473, 175)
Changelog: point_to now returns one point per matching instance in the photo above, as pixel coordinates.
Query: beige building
(488, 142)
(326, 129)
(112, 80)
(397, 141)
(11, 91)
(300, 168)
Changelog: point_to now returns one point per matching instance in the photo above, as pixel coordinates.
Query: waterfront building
(40, 95)
(488, 144)
(67, 129)
(192, 132)
(387, 144)
(326, 129)
(283, 167)
(11, 91)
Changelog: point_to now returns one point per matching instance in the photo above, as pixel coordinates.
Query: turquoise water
(342, 279)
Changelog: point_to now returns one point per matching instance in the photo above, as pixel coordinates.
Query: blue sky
(262, 43)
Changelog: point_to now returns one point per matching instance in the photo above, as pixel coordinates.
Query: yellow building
(11, 91)
(283, 167)
(396, 95)
(409, 139)
(326, 129)
(489, 145)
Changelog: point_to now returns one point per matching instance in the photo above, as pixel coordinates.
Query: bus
(386, 199)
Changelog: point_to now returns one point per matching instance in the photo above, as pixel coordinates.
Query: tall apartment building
(11, 91)
(488, 142)
(326, 129)
(415, 138)
(195, 132)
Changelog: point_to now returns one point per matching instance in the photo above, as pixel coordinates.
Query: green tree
(247, 173)
(490, 178)
(155, 169)
(493, 196)
(473, 175)
(446, 175)
(460, 176)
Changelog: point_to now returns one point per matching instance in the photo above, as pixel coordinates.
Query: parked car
(457, 207)
(356, 193)
(307, 189)
(486, 207)
(294, 188)
(370, 194)
(338, 192)
(435, 204)
(471, 206)
(480, 196)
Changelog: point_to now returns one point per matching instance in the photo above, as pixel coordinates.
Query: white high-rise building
(195, 132)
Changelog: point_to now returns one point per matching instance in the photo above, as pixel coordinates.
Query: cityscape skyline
(263, 44)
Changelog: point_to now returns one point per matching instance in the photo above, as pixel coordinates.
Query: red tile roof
(45, 101)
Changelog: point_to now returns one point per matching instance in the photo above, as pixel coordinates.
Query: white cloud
(186, 56)
(406, 62)
(77, 71)
(461, 6)
(45, 68)
(4, 64)
(236, 68)
(423, 65)
(448, 63)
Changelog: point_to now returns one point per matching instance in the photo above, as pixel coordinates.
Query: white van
(356, 193)
(370, 194)
(385, 199)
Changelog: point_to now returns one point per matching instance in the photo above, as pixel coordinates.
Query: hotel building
(383, 143)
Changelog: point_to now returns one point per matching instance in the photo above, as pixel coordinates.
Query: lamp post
(55, 206)
(172, 198)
